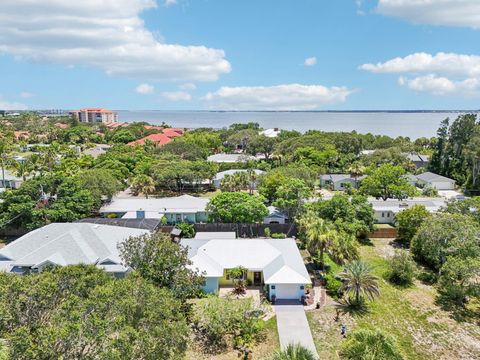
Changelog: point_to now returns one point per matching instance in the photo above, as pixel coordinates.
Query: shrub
(188, 230)
(429, 191)
(293, 352)
(402, 268)
(278, 236)
(370, 345)
(333, 285)
(267, 232)
(217, 320)
(409, 220)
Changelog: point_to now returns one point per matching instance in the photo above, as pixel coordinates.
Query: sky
(240, 54)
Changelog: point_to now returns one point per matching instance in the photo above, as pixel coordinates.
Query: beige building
(95, 115)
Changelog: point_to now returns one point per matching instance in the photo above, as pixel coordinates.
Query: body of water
(411, 124)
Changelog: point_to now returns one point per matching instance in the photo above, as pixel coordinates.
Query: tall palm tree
(359, 280)
(142, 184)
(294, 352)
(356, 169)
(321, 235)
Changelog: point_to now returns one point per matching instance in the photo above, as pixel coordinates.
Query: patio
(253, 292)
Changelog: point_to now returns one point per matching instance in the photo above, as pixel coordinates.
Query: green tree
(458, 281)
(100, 182)
(445, 235)
(236, 207)
(386, 182)
(290, 197)
(158, 259)
(408, 221)
(293, 352)
(263, 145)
(364, 344)
(81, 312)
(358, 280)
(402, 268)
(142, 184)
(188, 230)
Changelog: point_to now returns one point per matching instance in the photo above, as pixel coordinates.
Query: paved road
(293, 326)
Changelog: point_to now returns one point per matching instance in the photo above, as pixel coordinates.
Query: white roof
(230, 158)
(271, 132)
(206, 235)
(395, 206)
(67, 244)
(279, 259)
(148, 215)
(179, 204)
(221, 174)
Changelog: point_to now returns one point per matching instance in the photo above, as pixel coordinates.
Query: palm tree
(356, 169)
(142, 184)
(358, 280)
(252, 177)
(321, 235)
(294, 352)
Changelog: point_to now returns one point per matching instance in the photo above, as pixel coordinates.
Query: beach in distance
(411, 124)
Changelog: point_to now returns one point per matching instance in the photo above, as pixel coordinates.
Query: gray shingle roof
(432, 177)
(66, 244)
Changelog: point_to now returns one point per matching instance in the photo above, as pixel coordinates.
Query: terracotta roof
(158, 139)
(22, 134)
(172, 132)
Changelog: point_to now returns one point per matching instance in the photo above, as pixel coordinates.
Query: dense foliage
(370, 345)
(236, 207)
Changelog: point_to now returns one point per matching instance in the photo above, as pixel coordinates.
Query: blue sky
(232, 54)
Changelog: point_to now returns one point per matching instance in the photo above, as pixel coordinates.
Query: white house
(436, 181)
(275, 264)
(11, 181)
(385, 211)
(62, 244)
(230, 158)
(339, 182)
(271, 133)
(178, 209)
(217, 180)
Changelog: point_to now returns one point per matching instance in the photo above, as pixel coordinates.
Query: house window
(383, 214)
(272, 287)
(302, 287)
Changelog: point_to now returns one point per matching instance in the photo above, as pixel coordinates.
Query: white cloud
(170, 2)
(25, 95)
(440, 74)
(187, 87)
(280, 97)
(176, 96)
(310, 61)
(465, 13)
(145, 89)
(104, 34)
(7, 105)
(439, 85)
(447, 63)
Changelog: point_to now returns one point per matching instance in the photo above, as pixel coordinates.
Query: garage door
(287, 291)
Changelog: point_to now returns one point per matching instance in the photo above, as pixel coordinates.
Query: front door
(257, 278)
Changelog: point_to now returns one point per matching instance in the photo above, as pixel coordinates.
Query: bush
(409, 220)
(217, 320)
(402, 268)
(429, 191)
(370, 345)
(293, 352)
(188, 230)
(278, 236)
(333, 285)
(267, 232)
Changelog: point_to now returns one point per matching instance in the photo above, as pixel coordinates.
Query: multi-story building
(95, 115)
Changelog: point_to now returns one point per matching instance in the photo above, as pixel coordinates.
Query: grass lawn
(423, 330)
(260, 351)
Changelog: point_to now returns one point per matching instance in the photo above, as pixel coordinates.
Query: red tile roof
(158, 139)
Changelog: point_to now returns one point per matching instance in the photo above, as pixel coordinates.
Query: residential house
(230, 158)
(271, 133)
(95, 115)
(385, 211)
(11, 180)
(159, 139)
(62, 244)
(97, 150)
(274, 264)
(178, 209)
(217, 180)
(339, 182)
(419, 160)
(275, 216)
(436, 181)
(208, 235)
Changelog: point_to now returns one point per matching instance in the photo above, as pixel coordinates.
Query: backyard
(422, 329)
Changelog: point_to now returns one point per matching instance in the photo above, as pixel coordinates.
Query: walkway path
(293, 326)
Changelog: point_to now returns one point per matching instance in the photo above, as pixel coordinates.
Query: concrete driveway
(293, 326)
